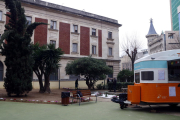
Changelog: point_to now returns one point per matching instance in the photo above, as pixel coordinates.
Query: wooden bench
(85, 94)
(124, 90)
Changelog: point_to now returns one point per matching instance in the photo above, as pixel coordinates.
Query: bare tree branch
(130, 46)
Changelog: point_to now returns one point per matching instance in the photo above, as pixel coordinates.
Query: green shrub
(125, 75)
(99, 86)
(119, 85)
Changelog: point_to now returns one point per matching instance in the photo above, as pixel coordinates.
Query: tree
(131, 46)
(92, 69)
(51, 58)
(46, 61)
(17, 49)
(125, 76)
(39, 65)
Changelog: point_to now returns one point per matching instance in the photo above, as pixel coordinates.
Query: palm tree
(38, 66)
(46, 61)
(51, 58)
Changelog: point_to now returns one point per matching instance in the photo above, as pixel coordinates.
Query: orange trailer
(156, 80)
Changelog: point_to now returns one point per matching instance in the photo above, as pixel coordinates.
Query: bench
(124, 90)
(85, 94)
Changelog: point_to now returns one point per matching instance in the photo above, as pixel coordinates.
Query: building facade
(126, 63)
(165, 41)
(172, 40)
(77, 33)
(174, 15)
(156, 43)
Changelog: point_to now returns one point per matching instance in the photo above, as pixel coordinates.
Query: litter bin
(65, 98)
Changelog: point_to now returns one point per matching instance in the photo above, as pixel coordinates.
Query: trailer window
(174, 70)
(137, 77)
(147, 75)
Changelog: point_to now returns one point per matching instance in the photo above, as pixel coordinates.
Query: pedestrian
(112, 80)
(114, 84)
(111, 84)
(107, 80)
(76, 84)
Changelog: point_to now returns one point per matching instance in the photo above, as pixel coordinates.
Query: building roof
(152, 31)
(72, 11)
(164, 55)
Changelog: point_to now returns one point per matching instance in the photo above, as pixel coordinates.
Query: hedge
(119, 85)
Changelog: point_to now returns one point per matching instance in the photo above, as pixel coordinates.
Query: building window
(147, 75)
(75, 47)
(93, 49)
(111, 74)
(29, 19)
(110, 35)
(110, 51)
(53, 42)
(93, 32)
(170, 36)
(75, 28)
(53, 24)
(0, 15)
(54, 76)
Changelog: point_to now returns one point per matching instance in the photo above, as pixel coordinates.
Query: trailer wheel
(173, 105)
(122, 106)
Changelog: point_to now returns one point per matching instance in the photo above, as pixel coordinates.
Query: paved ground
(87, 111)
(103, 109)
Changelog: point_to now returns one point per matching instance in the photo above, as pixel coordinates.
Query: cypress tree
(17, 49)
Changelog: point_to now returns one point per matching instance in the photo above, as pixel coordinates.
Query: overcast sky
(134, 15)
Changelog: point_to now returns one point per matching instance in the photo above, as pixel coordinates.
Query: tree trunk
(132, 65)
(47, 85)
(88, 83)
(41, 90)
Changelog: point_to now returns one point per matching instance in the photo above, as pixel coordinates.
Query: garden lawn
(87, 111)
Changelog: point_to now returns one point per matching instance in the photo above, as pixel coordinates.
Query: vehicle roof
(164, 55)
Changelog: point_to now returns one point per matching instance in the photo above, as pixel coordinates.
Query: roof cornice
(71, 11)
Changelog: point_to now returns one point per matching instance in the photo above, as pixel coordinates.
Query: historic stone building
(166, 41)
(156, 43)
(78, 33)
